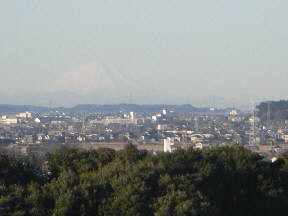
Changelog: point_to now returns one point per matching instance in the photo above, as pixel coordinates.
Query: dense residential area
(153, 129)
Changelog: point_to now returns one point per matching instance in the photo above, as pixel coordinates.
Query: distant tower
(252, 134)
(164, 112)
(83, 128)
(132, 115)
(196, 125)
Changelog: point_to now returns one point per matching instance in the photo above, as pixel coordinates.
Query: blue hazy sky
(196, 49)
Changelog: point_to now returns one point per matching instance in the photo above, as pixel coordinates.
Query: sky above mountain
(183, 51)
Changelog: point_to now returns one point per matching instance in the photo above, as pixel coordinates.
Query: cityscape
(36, 133)
(143, 108)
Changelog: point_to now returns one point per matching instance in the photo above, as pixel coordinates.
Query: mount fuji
(96, 78)
(100, 84)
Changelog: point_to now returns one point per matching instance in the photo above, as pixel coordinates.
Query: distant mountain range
(6, 108)
(97, 83)
(91, 83)
(101, 84)
(138, 108)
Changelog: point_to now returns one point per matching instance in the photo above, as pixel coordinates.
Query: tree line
(278, 110)
(217, 181)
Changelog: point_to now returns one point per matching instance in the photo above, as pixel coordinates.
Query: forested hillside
(219, 181)
(278, 110)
